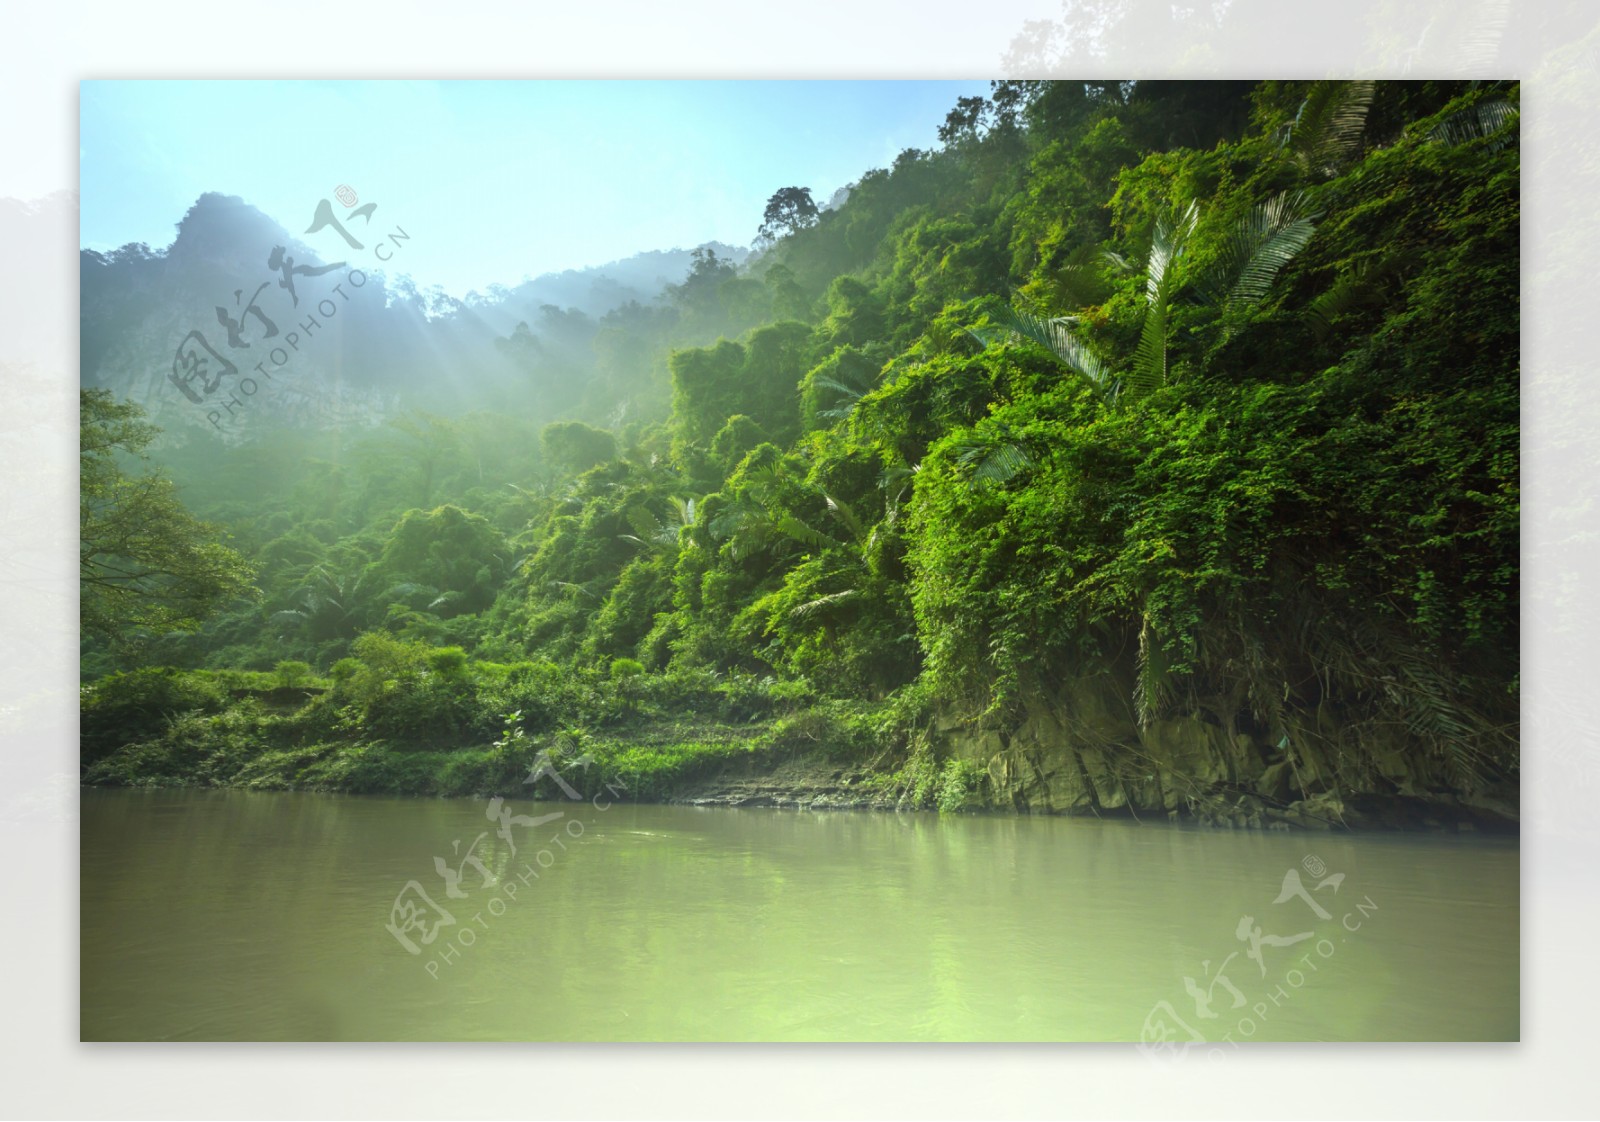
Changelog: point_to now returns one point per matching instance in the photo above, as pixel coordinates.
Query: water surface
(231, 915)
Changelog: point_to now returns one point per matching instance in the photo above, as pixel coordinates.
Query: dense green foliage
(145, 564)
(1213, 387)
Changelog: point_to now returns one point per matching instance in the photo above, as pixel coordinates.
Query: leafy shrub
(292, 674)
(546, 695)
(193, 749)
(449, 662)
(960, 783)
(623, 668)
(839, 730)
(920, 775)
(136, 705)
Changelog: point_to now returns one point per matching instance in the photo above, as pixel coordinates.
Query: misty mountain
(239, 324)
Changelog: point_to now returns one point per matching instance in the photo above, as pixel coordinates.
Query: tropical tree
(789, 210)
(328, 605)
(146, 566)
(657, 534)
(1240, 276)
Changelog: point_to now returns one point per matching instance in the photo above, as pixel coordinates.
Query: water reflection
(239, 915)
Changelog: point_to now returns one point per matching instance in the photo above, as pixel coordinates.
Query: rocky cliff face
(1080, 751)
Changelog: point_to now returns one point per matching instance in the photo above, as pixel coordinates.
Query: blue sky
(493, 180)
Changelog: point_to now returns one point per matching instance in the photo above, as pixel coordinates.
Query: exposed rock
(1080, 751)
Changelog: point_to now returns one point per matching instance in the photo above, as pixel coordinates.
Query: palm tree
(330, 605)
(1260, 245)
(661, 534)
(1258, 248)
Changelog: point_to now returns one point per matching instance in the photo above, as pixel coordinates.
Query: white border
(49, 48)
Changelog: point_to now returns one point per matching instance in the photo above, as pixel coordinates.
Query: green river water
(231, 915)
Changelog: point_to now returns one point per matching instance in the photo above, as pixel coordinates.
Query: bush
(839, 730)
(191, 750)
(656, 770)
(136, 705)
(547, 696)
(293, 674)
(959, 785)
(448, 662)
(622, 668)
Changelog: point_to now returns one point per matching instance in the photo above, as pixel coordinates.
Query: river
(233, 915)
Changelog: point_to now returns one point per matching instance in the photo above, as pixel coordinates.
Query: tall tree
(146, 566)
(789, 210)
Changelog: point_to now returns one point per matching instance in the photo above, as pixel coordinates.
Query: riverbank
(529, 730)
(712, 765)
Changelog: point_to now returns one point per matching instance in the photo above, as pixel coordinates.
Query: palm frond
(1056, 336)
(800, 611)
(847, 396)
(1167, 249)
(792, 527)
(1326, 133)
(894, 481)
(1118, 262)
(844, 514)
(844, 389)
(645, 524)
(1351, 289)
(1363, 284)
(1149, 371)
(995, 463)
(746, 526)
(1265, 240)
(1081, 279)
(1004, 463)
(766, 477)
(1485, 120)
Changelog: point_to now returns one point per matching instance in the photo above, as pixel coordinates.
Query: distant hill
(354, 349)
